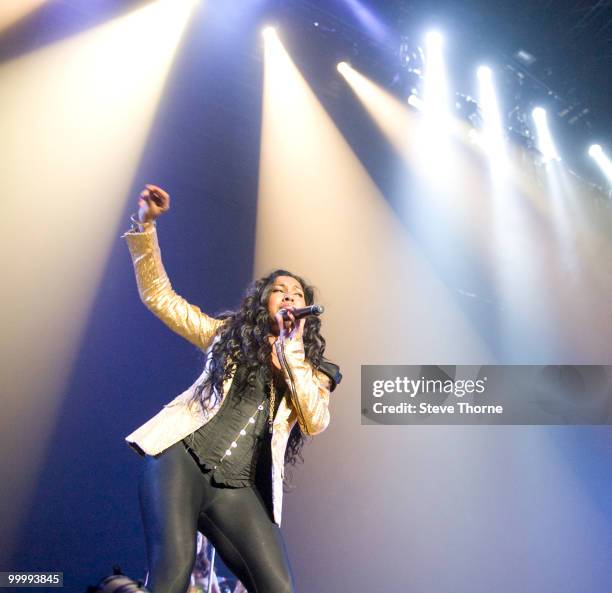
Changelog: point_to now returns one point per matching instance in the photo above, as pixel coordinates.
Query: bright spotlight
(343, 67)
(597, 153)
(436, 123)
(545, 142)
(435, 84)
(269, 32)
(595, 150)
(434, 39)
(484, 72)
(415, 102)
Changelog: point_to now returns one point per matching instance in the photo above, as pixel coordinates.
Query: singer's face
(286, 291)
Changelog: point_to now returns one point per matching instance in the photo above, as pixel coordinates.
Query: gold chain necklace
(272, 402)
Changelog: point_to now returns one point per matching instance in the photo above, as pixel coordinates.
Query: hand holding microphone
(290, 320)
(301, 312)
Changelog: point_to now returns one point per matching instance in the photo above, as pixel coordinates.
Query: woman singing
(215, 455)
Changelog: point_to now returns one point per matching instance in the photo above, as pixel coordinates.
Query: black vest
(237, 440)
(235, 446)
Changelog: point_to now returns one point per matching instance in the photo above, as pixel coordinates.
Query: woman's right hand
(153, 201)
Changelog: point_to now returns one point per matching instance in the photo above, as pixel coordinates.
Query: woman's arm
(154, 285)
(309, 389)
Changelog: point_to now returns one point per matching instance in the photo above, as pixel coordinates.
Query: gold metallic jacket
(308, 389)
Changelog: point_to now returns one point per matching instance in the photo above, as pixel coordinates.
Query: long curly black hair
(243, 343)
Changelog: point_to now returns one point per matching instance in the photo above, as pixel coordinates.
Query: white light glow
(415, 102)
(484, 72)
(269, 32)
(435, 86)
(434, 39)
(436, 126)
(343, 67)
(435, 83)
(595, 150)
(597, 153)
(476, 138)
(545, 142)
(493, 131)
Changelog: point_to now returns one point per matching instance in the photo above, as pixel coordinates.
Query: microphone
(300, 312)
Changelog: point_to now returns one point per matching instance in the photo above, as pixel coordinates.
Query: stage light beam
(392, 117)
(493, 133)
(14, 11)
(436, 127)
(435, 85)
(75, 117)
(545, 142)
(597, 153)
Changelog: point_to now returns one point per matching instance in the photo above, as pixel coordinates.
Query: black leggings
(177, 500)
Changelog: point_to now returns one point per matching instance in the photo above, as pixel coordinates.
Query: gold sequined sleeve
(309, 389)
(157, 294)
